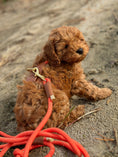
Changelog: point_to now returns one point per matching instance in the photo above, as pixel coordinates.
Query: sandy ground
(24, 29)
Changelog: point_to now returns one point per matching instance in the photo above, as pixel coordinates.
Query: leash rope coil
(47, 137)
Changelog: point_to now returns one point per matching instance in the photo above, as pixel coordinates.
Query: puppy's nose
(80, 51)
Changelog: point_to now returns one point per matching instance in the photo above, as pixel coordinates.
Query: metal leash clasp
(35, 70)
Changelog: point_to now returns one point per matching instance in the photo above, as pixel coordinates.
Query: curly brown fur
(64, 51)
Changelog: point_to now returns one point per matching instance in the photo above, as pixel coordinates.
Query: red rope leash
(51, 137)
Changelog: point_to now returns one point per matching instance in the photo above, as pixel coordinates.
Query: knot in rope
(18, 152)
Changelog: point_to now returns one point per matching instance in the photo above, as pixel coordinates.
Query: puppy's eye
(82, 39)
(66, 46)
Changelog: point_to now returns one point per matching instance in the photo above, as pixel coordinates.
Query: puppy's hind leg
(62, 114)
(77, 112)
(72, 115)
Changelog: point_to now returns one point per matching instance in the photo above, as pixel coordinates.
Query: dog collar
(36, 72)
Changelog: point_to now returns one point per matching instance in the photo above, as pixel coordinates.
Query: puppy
(64, 51)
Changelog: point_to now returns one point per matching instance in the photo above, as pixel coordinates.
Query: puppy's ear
(50, 52)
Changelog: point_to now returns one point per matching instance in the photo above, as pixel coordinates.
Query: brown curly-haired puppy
(64, 51)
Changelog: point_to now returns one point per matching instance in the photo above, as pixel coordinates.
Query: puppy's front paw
(106, 92)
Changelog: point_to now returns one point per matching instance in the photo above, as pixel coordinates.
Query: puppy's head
(65, 45)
